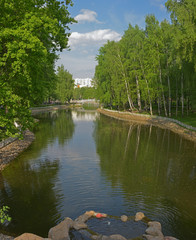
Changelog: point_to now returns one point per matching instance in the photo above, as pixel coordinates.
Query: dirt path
(148, 120)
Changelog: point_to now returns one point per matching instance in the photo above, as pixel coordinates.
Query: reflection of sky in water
(84, 115)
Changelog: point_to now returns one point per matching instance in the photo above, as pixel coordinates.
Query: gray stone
(61, 231)
(149, 237)
(124, 218)
(83, 218)
(5, 237)
(155, 224)
(153, 231)
(79, 225)
(111, 237)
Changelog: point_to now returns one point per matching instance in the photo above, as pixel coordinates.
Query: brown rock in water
(149, 237)
(90, 213)
(170, 238)
(124, 218)
(83, 218)
(28, 236)
(61, 231)
(113, 237)
(139, 216)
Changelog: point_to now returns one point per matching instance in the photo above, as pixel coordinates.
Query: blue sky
(100, 21)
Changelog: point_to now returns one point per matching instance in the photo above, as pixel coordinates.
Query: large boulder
(28, 236)
(61, 231)
(154, 232)
(79, 223)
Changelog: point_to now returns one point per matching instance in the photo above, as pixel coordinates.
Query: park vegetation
(31, 34)
(152, 69)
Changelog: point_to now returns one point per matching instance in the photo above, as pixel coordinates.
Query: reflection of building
(83, 82)
(84, 116)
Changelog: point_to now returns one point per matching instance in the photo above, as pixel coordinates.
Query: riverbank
(184, 130)
(12, 150)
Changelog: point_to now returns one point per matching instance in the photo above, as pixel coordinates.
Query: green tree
(30, 34)
(65, 85)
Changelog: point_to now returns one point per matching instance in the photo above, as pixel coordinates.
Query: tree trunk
(158, 103)
(138, 93)
(149, 98)
(182, 94)
(163, 95)
(176, 98)
(126, 83)
(169, 100)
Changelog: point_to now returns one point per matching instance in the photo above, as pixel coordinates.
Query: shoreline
(13, 149)
(161, 122)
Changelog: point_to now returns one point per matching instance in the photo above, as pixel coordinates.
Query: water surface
(85, 161)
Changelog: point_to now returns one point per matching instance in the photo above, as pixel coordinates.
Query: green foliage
(65, 85)
(4, 214)
(84, 93)
(152, 69)
(30, 34)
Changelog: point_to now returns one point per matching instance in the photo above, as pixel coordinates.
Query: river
(84, 161)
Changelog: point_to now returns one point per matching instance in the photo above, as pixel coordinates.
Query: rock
(139, 216)
(113, 237)
(61, 231)
(155, 224)
(83, 218)
(79, 225)
(149, 237)
(124, 218)
(5, 237)
(96, 237)
(28, 236)
(153, 231)
(90, 213)
(170, 238)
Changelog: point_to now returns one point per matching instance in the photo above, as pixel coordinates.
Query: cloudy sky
(100, 21)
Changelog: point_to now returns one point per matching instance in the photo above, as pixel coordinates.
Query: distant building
(83, 82)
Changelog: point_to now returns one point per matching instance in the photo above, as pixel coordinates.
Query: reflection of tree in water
(148, 161)
(31, 196)
(55, 125)
(27, 187)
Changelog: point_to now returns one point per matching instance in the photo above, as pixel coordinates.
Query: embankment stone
(61, 231)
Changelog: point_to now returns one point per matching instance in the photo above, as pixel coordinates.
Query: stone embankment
(62, 230)
(12, 147)
(176, 126)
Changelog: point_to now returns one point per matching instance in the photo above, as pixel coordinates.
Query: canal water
(84, 161)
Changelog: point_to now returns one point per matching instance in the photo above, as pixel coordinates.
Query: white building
(83, 82)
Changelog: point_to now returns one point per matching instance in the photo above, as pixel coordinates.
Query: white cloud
(97, 36)
(87, 16)
(80, 66)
